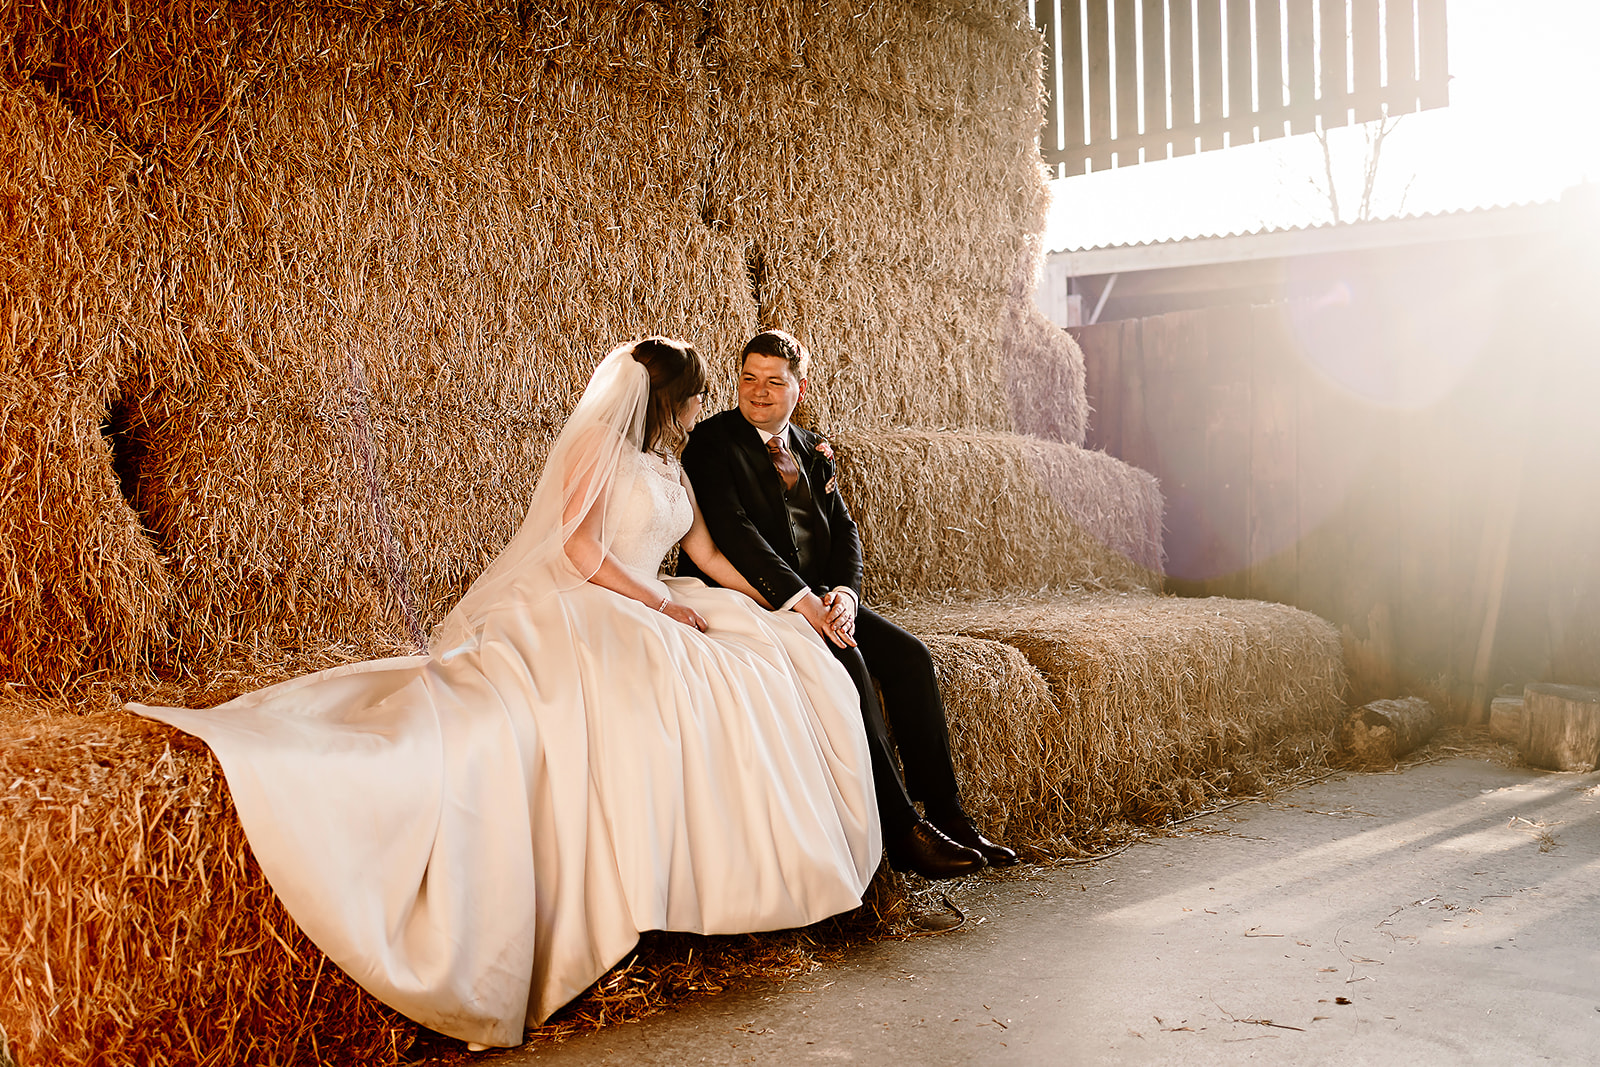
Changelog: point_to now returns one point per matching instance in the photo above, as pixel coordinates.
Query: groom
(770, 499)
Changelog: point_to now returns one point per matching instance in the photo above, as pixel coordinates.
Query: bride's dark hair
(676, 373)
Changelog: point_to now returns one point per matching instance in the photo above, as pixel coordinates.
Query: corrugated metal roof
(1272, 243)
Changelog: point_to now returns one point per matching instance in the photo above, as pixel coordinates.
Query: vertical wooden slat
(1072, 75)
(1131, 374)
(1241, 79)
(1368, 93)
(1209, 33)
(1434, 59)
(1124, 32)
(1097, 34)
(1333, 87)
(1317, 563)
(1224, 69)
(1183, 96)
(1174, 356)
(1155, 78)
(1274, 448)
(1103, 383)
(1044, 20)
(1302, 68)
(1427, 578)
(1269, 69)
(1114, 385)
(1400, 56)
(1224, 392)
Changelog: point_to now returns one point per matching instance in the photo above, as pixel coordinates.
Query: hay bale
(945, 514)
(1043, 371)
(1004, 737)
(135, 927)
(890, 135)
(880, 160)
(1155, 691)
(81, 586)
(371, 272)
(319, 278)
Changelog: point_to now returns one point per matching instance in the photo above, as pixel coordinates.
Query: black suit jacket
(741, 496)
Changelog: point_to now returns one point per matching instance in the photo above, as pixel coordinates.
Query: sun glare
(1519, 128)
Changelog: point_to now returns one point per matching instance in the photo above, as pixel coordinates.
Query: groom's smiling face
(768, 391)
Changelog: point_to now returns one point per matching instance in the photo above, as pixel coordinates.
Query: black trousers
(911, 705)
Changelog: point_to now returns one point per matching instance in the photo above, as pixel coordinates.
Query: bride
(587, 751)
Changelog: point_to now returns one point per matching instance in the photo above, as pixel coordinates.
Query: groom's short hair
(781, 344)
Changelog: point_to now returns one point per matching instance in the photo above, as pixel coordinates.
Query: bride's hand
(687, 616)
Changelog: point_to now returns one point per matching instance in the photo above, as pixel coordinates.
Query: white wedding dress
(478, 834)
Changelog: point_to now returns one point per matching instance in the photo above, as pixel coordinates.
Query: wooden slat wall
(1391, 521)
(1208, 29)
(1433, 69)
(1181, 20)
(1360, 58)
(1241, 81)
(1126, 114)
(1097, 90)
(1269, 62)
(1399, 22)
(1302, 66)
(1365, 39)
(1333, 90)
(1072, 52)
(1154, 16)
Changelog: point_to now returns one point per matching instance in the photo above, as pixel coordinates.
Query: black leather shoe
(959, 829)
(926, 850)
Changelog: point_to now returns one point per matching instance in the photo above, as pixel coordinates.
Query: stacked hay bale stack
(296, 298)
(335, 271)
(880, 162)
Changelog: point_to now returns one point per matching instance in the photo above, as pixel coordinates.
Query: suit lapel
(805, 451)
(748, 439)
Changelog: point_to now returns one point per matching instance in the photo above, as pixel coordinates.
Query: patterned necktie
(784, 462)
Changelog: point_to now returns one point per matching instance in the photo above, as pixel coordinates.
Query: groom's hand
(841, 611)
(823, 617)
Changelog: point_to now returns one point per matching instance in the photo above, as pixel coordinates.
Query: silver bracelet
(663, 605)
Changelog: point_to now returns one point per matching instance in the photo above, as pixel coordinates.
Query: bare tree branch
(1374, 134)
(1327, 166)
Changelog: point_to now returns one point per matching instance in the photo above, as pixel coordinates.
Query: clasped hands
(833, 615)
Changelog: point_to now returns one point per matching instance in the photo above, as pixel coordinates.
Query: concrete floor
(1444, 915)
